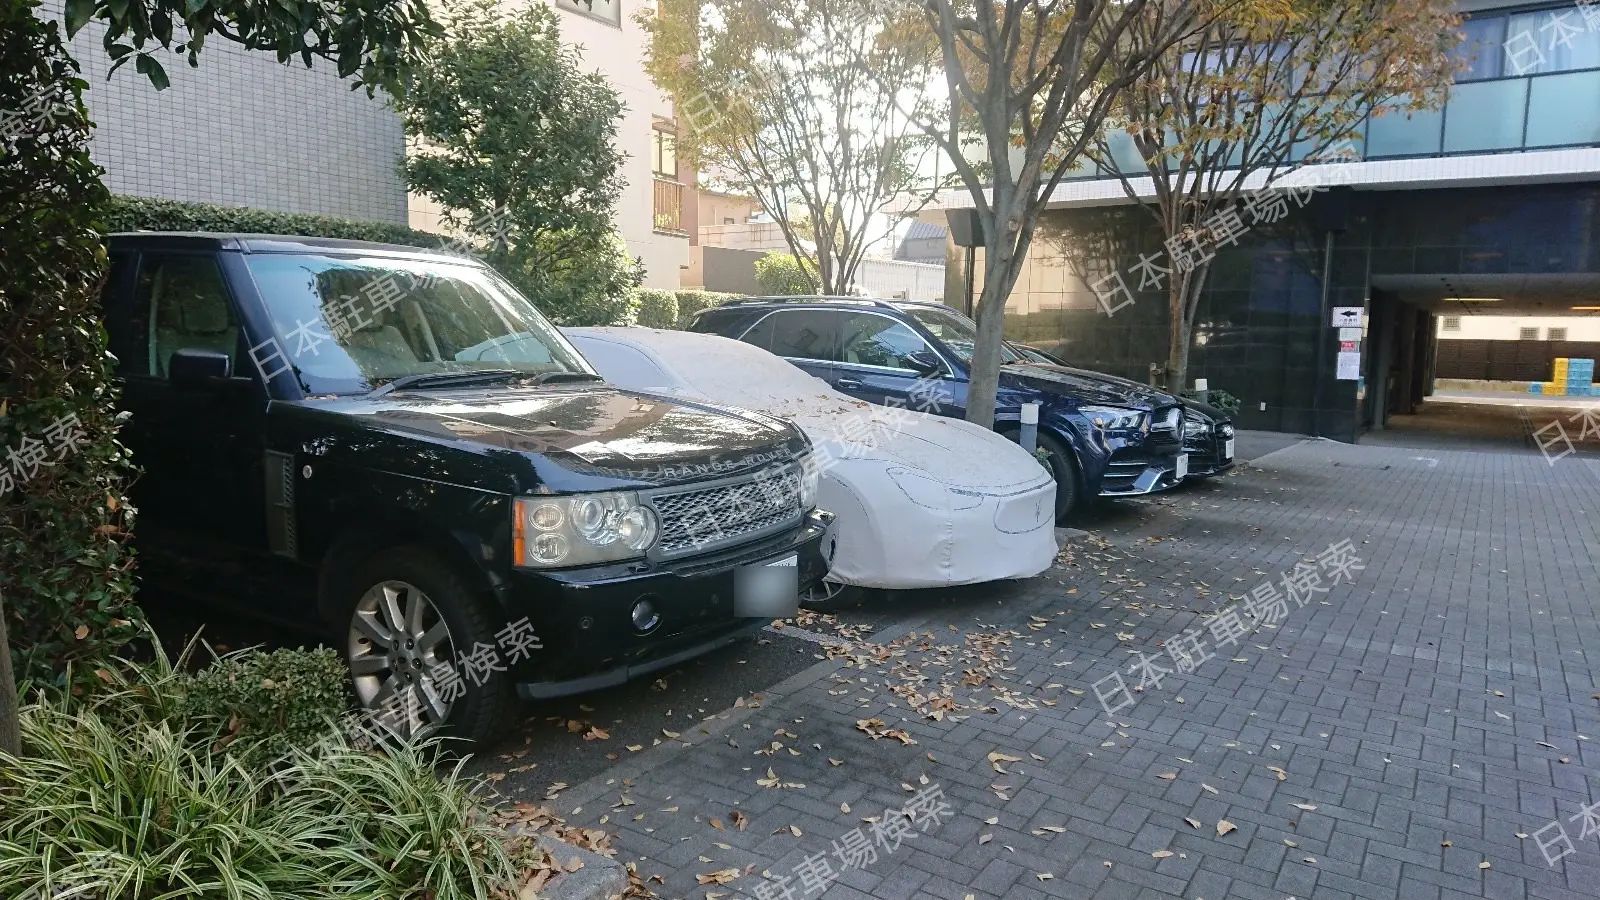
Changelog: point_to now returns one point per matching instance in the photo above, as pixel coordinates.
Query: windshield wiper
(425, 379)
(547, 377)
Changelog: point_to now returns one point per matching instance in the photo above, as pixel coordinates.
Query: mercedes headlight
(1114, 418)
(582, 529)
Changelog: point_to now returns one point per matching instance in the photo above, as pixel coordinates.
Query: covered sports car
(922, 501)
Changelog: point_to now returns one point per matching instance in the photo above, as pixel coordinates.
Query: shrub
(266, 704)
(691, 302)
(587, 288)
(64, 566)
(1222, 400)
(113, 800)
(657, 309)
(780, 274)
(126, 213)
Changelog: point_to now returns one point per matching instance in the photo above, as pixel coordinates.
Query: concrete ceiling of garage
(1518, 295)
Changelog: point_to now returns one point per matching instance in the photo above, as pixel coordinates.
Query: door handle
(849, 384)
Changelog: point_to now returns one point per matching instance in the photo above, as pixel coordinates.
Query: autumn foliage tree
(1252, 95)
(1029, 84)
(774, 100)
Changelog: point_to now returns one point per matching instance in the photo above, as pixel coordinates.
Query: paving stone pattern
(1407, 707)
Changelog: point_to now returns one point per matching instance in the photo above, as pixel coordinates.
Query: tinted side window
(179, 302)
(874, 340)
(798, 334)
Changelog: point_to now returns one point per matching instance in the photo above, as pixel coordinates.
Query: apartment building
(244, 130)
(1325, 322)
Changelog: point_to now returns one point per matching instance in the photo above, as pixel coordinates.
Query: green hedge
(657, 308)
(691, 302)
(125, 213)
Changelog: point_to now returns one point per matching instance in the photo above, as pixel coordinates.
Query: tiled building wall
(1260, 316)
(243, 130)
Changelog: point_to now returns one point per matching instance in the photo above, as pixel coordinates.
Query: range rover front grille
(710, 517)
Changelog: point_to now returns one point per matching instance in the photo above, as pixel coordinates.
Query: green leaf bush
(64, 561)
(657, 308)
(780, 274)
(127, 794)
(691, 302)
(125, 213)
(266, 704)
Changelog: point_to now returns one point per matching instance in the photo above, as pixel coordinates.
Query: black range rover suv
(393, 447)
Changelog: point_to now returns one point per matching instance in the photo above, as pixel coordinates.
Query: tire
(445, 618)
(1064, 468)
(830, 596)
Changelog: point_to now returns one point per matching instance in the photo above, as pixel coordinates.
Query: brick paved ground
(1431, 711)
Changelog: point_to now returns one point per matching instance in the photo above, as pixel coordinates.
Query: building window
(1452, 323)
(1528, 43)
(1527, 334)
(728, 220)
(608, 11)
(664, 154)
(1555, 334)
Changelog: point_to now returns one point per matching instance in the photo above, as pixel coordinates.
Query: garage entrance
(1453, 357)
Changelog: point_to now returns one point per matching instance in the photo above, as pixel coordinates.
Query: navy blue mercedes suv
(1102, 435)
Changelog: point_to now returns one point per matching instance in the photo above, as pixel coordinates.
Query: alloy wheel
(401, 659)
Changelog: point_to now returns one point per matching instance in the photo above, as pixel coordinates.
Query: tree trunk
(991, 315)
(10, 721)
(1183, 302)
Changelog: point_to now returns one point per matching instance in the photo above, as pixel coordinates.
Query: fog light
(645, 617)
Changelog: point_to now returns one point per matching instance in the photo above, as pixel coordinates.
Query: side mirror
(924, 362)
(195, 367)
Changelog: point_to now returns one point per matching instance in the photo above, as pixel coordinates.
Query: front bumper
(584, 616)
(1208, 453)
(1144, 469)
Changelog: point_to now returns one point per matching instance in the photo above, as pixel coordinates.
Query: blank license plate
(767, 590)
(1227, 449)
(1183, 465)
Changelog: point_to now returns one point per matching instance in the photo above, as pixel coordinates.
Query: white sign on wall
(1347, 316)
(1349, 366)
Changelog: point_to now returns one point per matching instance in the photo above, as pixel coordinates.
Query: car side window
(798, 334)
(179, 302)
(869, 339)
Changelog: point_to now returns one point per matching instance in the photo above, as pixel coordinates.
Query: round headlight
(548, 549)
(546, 517)
(637, 528)
(589, 518)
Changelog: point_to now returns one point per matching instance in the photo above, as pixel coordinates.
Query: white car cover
(922, 501)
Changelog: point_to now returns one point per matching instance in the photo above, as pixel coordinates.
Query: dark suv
(1103, 436)
(394, 445)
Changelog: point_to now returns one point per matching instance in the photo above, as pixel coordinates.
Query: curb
(598, 878)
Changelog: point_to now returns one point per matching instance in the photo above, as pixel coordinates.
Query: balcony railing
(668, 206)
(1496, 115)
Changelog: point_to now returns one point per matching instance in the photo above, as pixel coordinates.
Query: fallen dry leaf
(1193, 823)
(1308, 807)
(1167, 776)
(720, 876)
(1162, 854)
(739, 819)
(1282, 775)
(1224, 826)
(1209, 788)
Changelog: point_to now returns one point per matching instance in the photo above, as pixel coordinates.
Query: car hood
(955, 453)
(589, 430)
(1087, 386)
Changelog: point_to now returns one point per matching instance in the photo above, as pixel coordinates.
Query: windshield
(350, 323)
(956, 332)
